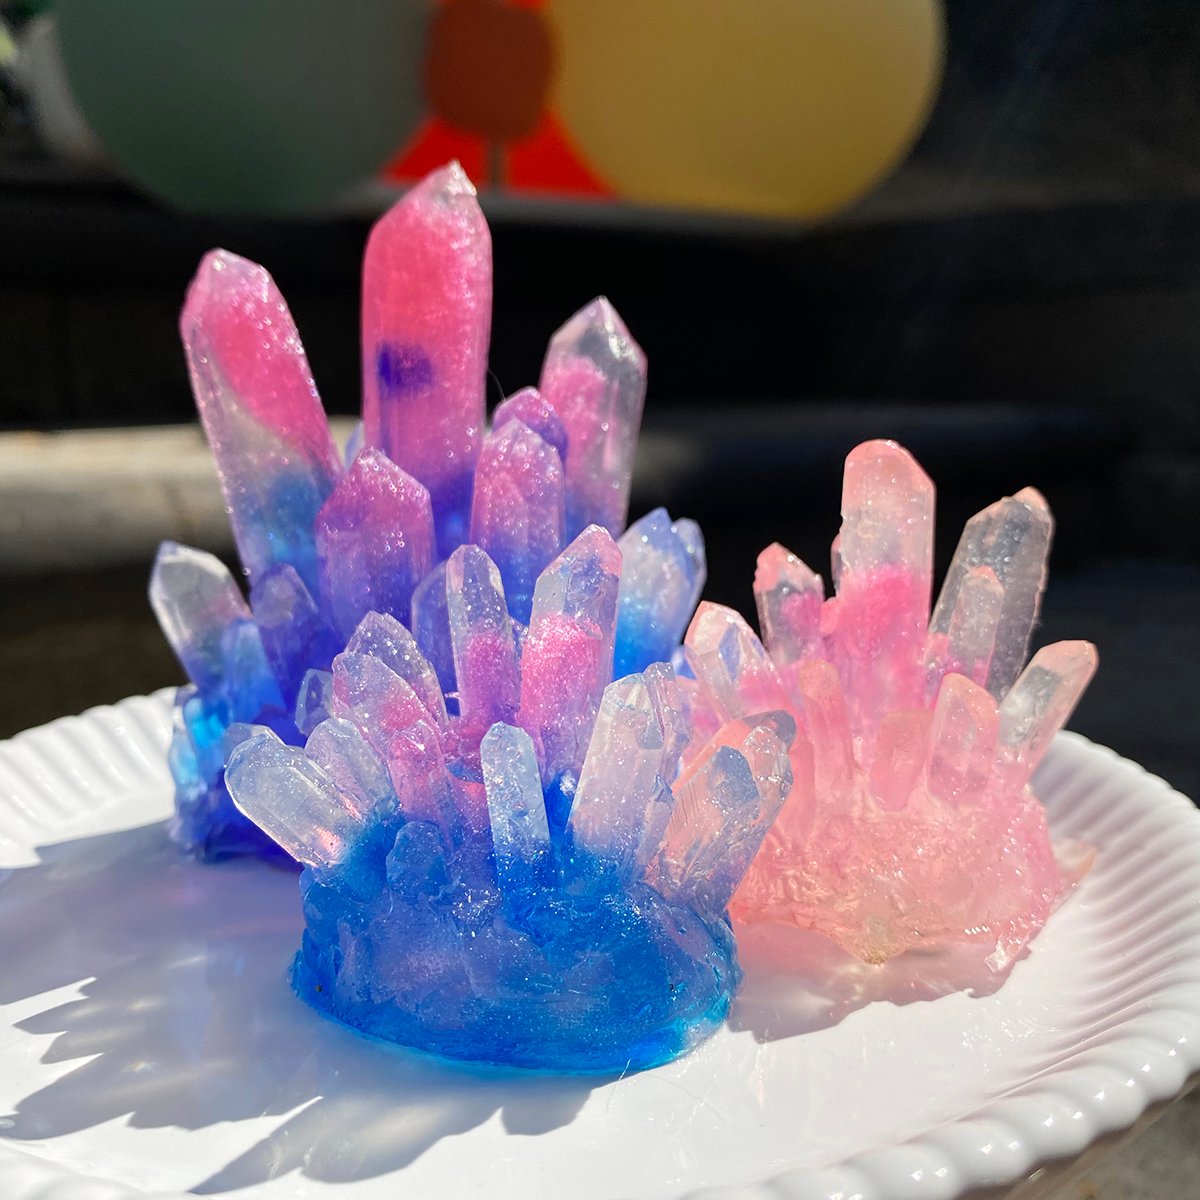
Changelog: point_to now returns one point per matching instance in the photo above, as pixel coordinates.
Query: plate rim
(1150, 1058)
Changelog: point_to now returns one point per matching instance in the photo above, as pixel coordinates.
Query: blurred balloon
(773, 107)
(261, 106)
(487, 68)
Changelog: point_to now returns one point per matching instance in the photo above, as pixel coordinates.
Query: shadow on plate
(798, 982)
(187, 1020)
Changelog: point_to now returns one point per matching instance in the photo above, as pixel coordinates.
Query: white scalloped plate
(149, 1043)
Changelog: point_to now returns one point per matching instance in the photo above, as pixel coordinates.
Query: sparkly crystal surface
(910, 822)
(504, 884)
(448, 698)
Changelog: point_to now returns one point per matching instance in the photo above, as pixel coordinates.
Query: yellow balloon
(774, 107)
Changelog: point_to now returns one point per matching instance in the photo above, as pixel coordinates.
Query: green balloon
(263, 106)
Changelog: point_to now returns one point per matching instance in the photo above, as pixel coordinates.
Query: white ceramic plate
(149, 1043)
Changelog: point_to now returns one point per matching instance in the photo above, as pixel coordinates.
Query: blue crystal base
(580, 977)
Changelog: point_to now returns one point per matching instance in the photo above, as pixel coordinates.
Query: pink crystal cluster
(326, 541)
(911, 822)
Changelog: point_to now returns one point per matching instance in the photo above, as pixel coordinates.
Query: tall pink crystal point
(255, 394)
(886, 554)
(789, 596)
(426, 320)
(517, 513)
(530, 408)
(617, 798)
(1039, 704)
(828, 728)
(594, 377)
(568, 654)
(731, 664)
(901, 751)
(962, 749)
(482, 639)
(1012, 538)
(374, 541)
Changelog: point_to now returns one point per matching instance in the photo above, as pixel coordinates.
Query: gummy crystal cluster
(910, 822)
(529, 881)
(323, 543)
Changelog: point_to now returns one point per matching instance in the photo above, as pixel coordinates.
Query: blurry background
(974, 229)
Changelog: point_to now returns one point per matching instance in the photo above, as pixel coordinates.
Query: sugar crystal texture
(426, 319)
(448, 698)
(457, 896)
(910, 821)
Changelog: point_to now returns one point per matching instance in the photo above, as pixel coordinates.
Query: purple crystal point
(594, 377)
(517, 511)
(294, 633)
(196, 601)
(255, 394)
(568, 654)
(529, 407)
(483, 640)
(375, 541)
(662, 575)
(426, 318)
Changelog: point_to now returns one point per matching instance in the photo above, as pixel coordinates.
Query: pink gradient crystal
(256, 398)
(426, 322)
(594, 377)
(375, 541)
(912, 823)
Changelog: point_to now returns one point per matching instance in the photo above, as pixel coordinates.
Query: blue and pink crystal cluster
(448, 695)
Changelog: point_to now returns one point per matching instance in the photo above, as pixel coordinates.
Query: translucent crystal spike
(195, 600)
(375, 541)
(516, 809)
(662, 575)
(517, 513)
(481, 636)
(617, 792)
(293, 800)
(426, 320)
(255, 394)
(1012, 537)
(789, 597)
(594, 377)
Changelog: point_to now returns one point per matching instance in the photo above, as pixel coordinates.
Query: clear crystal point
(1038, 705)
(1012, 539)
(737, 675)
(788, 595)
(662, 575)
(196, 600)
(516, 809)
(594, 377)
(287, 795)
(617, 790)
